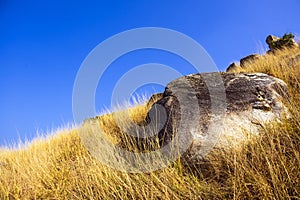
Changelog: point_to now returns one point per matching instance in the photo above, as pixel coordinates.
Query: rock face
(274, 43)
(154, 98)
(218, 110)
(249, 58)
(271, 39)
(233, 66)
(277, 43)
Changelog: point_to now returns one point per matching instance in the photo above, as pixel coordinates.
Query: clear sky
(43, 43)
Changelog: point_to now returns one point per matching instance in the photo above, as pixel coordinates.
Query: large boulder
(216, 110)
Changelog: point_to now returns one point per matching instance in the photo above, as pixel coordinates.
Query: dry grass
(59, 167)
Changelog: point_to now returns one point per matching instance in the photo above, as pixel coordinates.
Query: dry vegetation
(59, 167)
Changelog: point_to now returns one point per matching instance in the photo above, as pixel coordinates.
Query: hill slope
(59, 167)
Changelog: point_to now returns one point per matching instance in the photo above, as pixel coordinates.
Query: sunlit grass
(268, 167)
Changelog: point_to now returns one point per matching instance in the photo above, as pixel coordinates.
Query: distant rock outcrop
(278, 43)
(248, 59)
(199, 114)
(274, 43)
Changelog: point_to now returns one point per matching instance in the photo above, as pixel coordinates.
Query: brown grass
(59, 167)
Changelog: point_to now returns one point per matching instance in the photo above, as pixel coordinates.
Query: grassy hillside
(59, 167)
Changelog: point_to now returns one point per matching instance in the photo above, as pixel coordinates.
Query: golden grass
(59, 167)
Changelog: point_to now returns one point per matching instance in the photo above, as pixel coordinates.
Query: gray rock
(278, 43)
(236, 65)
(249, 59)
(154, 98)
(271, 39)
(217, 110)
(232, 67)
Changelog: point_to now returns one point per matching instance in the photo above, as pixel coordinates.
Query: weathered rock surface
(250, 58)
(154, 98)
(218, 110)
(274, 43)
(277, 43)
(232, 67)
(271, 39)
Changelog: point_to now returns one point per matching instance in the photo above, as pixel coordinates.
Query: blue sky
(43, 43)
